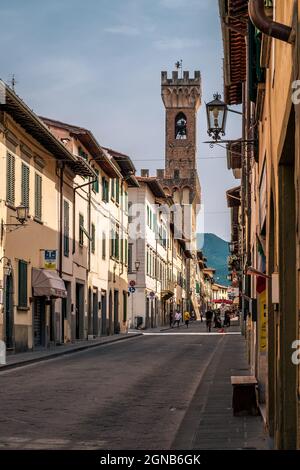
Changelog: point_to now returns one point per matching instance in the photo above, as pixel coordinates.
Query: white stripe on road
(190, 334)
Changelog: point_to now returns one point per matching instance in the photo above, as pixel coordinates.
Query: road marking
(193, 334)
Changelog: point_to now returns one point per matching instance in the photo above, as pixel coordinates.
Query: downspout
(266, 25)
(61, 200)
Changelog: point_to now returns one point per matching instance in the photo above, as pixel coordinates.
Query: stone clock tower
(182, 98)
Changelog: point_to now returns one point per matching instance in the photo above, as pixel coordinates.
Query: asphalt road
(134, 394)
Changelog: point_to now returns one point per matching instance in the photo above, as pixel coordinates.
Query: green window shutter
(129, 256)
(22, 284)
(38, 197)
(25, 185)
(126, 251)
(121, 250)
(103, 189)
(112, 243)
(93, 241)
(113, 188)
(66, 228)
(117, 244)
(103, 245)
(10, 179)
(96, 183)
(117, 191)
(81, 226)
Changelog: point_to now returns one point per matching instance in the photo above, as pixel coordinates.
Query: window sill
(22, 309)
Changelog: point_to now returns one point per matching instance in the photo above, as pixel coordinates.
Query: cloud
(176, 43)
(176, 4)
(123, 29)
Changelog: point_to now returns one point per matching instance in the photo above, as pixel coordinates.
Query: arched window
(180, 126)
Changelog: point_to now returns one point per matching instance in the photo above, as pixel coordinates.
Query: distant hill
(216, 251)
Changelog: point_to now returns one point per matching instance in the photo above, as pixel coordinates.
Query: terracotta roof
(234, 197)
(89, 141)
(126, 166)
(35, 127)
(153, 184)
(234, 16)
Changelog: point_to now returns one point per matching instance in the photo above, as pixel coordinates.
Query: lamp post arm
(235, 112)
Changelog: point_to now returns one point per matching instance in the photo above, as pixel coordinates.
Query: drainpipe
(61, 200)
(266, 25)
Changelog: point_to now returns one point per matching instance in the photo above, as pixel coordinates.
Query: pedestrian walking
(201, 316)
(187, 318)
(208, 317)
(171, 319)
(177, 318)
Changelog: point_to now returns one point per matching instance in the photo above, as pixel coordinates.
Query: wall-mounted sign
(50, 259)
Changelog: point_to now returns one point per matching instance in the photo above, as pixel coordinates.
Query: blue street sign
(131, 290)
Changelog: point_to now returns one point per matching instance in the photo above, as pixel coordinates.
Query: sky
(97, 64)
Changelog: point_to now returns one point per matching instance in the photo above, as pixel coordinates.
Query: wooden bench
(244, 400)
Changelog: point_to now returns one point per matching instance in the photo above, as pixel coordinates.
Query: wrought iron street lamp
(216, 111)
(7, 268)
(137, 265)
(22, 215)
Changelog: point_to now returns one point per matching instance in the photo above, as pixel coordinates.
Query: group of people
(215, 316)
(177, 318)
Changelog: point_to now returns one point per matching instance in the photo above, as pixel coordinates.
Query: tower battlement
(185, 80)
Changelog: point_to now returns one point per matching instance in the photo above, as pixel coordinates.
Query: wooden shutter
(93, 241)
(25, 185)
(38, 197)
(22, 284)
(81, 226)
(103, 245)
(10, 179)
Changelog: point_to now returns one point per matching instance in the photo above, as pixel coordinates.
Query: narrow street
(157, 391)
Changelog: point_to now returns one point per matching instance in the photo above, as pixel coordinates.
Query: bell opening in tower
(180, 127)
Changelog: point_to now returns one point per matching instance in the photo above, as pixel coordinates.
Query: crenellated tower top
(182, 92)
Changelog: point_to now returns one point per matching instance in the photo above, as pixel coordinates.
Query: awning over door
(47, 283)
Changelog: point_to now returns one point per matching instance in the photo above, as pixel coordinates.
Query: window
(147, 270)
(105, 190)
(22, 284)
(66, 228)
(180, 127)
(130, 248)
(93, 240)
(96, 183)
(10, 179)
(25, 185)
(81, 229)
(38, 197)
(176, 174)
(103, 245)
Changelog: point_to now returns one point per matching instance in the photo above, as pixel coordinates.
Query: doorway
(286, 421)
(39, 322)
(95, 313)
(116, 312)
(103, 313)
(110, 319)
(79, 327)
(9, 312)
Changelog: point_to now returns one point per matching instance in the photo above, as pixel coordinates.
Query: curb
(15, 365)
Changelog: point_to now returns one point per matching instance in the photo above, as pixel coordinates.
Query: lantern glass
(216, 117)
(22, 213)
(7, 269)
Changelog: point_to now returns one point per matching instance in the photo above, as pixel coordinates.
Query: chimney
(145, 173)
